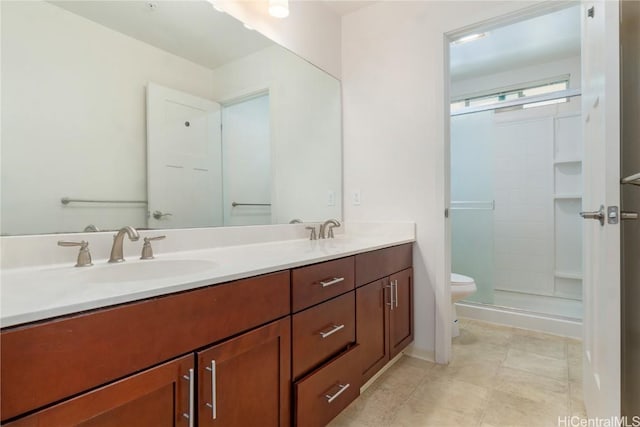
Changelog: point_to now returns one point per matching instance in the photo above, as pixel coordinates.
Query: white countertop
(37, 293)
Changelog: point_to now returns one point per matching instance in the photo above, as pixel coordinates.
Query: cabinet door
(401, 314)
(157, 397)
(246, 381)
(372, 326)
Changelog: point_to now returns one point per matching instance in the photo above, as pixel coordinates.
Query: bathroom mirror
(159, 114)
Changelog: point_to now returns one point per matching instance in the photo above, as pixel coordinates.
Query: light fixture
(469, 38)
(279, 8)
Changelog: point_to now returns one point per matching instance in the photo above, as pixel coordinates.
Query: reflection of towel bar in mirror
(631, 179)
(234, 204)
(474, 205)
(67, 200)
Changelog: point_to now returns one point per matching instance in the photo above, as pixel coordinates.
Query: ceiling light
(470, 38)
(279, 8)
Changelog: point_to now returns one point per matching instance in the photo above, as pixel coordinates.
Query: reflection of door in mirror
(246, 152)
(184, 171)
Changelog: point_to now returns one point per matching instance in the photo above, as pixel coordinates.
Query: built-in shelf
(568, 275)
(566, 161)
(567, 196)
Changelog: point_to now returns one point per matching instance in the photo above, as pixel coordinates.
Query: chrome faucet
(118, 241)
(326, 228)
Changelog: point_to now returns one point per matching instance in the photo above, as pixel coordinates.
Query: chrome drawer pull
(342, 387)
(333, 330)
(392, 303)
(395, 286)
(330, 282)
(190, 415)
(213, 405)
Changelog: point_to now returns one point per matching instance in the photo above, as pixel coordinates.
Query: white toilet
(461, 287)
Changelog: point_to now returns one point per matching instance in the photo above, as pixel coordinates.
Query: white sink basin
(143, 270)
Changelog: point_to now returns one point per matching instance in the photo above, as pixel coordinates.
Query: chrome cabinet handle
(333, 330)
(599, 215)
(190, 415)
(160, 215)
(213, 405)
(330, 282)
(395, 287)
(331, 398)
(390, 287)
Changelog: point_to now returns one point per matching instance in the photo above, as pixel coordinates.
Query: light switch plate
(356, 198)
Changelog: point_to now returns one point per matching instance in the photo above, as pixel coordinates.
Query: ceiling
(344, 7)
(191, 29)
(534, 41)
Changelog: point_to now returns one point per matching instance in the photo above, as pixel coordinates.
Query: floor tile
(505, 409)
(536, 364)
(503, 376)
(544, 345)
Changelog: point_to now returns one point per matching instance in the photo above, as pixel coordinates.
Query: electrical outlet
(356, 198)
(331, 198)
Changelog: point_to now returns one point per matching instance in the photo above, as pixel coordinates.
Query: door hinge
(591, 12)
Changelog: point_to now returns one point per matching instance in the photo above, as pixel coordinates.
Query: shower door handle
(599, 215)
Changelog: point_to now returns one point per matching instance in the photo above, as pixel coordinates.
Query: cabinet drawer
(322, 331)
(319, 282)
(326, 392)
(375, 265)
(49, 361)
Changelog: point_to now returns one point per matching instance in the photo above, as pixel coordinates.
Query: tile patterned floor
(499, 376)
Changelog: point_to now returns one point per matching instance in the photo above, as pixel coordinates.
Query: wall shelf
(566, 161)
(568, 275)
(567, 196)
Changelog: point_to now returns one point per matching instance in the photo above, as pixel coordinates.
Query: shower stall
(516, 184)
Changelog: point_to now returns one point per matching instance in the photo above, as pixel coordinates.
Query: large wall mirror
(159, 114)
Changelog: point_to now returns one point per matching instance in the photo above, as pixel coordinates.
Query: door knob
(160, 215)
(599, 215)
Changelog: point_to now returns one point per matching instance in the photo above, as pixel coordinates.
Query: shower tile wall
(523, 219)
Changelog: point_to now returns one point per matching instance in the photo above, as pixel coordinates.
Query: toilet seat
(459, 279)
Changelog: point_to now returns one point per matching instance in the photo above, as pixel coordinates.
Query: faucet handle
(84, 256)
(313, 233)
(147, 250)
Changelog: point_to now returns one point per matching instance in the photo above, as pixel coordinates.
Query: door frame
(443, 317)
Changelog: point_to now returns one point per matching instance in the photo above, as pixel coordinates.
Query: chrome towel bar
(67, 200)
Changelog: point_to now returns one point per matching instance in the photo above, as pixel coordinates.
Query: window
(512, 94)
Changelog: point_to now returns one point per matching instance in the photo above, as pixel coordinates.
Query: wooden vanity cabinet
(156, 397)
(291, 347)
(246, 380)
(384, 306)
(50, 361)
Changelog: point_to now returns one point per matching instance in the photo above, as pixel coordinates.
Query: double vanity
(265, 334)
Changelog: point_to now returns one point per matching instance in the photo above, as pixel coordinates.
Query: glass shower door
(472, 201)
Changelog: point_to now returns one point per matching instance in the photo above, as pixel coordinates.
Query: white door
(184, 170)
(601, 118)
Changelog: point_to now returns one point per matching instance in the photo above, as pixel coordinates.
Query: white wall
(394, 91)
(50, 110)
(305, 129)
(312, 30)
